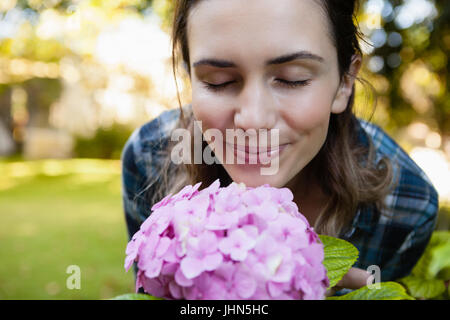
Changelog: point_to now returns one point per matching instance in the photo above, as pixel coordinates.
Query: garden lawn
(54, 214)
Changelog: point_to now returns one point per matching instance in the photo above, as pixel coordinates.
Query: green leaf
(386, 291)
(444, 274)
(340, 256)
(436, 256)
(135, 296)
(423, 288)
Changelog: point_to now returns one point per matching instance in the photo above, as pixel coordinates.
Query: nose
(255, 107)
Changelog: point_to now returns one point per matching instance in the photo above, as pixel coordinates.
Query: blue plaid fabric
(392, 238)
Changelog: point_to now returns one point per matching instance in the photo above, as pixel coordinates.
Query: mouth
(259, 149)
(261, 155)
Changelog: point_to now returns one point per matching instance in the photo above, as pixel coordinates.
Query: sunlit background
(76, 77)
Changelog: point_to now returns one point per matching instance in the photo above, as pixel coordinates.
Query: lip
(258, 150)
(262, 157)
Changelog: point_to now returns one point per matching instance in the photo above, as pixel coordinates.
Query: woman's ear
(346, 86)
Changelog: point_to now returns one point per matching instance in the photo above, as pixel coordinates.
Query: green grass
(54, 214)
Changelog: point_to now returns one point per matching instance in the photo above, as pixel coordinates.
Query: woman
(288, 65)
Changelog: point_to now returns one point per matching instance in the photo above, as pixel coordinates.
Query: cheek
(213, 112)
(308, 112)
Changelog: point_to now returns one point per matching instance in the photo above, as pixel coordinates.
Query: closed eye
(286, 83)
(217, 87)
(293, 84)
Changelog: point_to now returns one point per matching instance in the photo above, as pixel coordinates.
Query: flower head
(232, 242)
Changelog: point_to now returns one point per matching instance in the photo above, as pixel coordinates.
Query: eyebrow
(301, 55)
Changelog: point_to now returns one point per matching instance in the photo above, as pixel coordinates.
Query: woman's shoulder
(386, 146)
(153, 132)
(413, 195)
(141, 152)
(394, 236)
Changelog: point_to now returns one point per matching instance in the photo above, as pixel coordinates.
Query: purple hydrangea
(225, 243)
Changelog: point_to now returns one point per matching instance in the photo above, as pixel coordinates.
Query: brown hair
(350, 179)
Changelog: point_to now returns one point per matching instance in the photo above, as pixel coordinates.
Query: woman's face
(274, 66)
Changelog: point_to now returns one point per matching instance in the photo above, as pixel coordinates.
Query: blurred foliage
(41, 93)
(430, 277)
(107, 143)
(165, 9)
(415, 65)
(64, 5)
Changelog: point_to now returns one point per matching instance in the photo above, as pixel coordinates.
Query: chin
(252, 177)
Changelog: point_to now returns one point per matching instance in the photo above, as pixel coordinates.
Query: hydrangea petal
(212, 261)
(181, 280)
(175, 290)
(152, 268)
(245, 284)
(191, 267)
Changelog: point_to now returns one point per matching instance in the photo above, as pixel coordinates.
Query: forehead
(258, 28)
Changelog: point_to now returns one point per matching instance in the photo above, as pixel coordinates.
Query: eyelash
(289, 84)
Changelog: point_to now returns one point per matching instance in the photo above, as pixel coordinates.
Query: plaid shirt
(392, 239)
